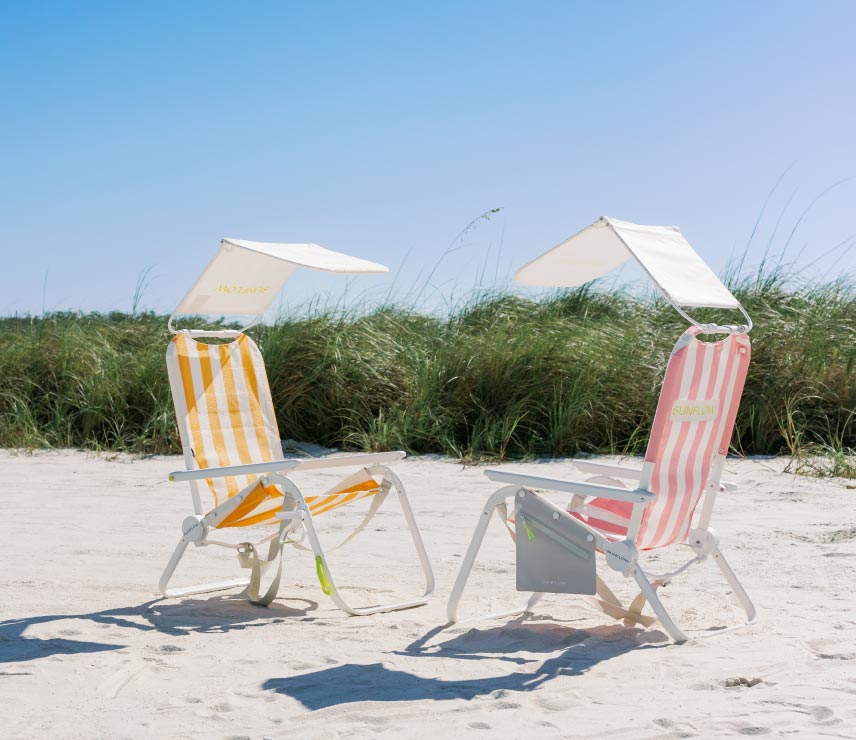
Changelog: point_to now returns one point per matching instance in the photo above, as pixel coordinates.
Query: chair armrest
(279, 466)
(636, 496)
(617, 471)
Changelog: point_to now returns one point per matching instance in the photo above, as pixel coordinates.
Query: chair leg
(657, 605)
(202, 588)
(495, 500)
(708, 546)
(415, 534)
(195, 529)
(328, 583)
(739, 591)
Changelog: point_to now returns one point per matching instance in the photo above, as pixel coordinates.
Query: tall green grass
(500, 376)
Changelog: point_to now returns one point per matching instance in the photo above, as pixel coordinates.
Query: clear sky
(133, 136)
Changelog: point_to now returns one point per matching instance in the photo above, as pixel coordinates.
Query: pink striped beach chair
(669, 501)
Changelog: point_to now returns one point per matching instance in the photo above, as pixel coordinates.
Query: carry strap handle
(248, 557)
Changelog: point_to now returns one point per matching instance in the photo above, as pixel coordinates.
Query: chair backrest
(692, 427)
(223, 407)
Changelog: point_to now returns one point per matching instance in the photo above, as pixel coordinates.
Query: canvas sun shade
(244, 277)
(668, 259)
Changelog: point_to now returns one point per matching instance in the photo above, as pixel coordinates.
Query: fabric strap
(248, 557)
(608, 603)
(377, 501)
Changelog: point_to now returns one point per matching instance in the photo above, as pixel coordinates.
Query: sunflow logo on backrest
(243, 289)
(697, 410)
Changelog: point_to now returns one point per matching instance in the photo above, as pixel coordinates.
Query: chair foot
(496, 499)
(328, 584)
(651, 597)
(202, 588)
(356, 611)
(673, 630)
(737, 587)
(525, 609)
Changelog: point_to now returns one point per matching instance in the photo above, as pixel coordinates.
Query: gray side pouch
(555, 553)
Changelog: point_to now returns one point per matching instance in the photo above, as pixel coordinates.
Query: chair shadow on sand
(216, 614)
(580, 650)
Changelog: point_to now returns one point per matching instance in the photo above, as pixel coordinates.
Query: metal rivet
(555, 515)
(521, 494)
(589, 538)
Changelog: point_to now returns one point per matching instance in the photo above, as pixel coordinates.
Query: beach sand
(88, 650)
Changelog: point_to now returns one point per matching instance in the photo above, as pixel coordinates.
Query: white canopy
(664, 254)
(244, 277)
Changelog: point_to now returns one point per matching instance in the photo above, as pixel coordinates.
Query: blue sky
(134, 136)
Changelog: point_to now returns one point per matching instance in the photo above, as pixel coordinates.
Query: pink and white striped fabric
(693, 424)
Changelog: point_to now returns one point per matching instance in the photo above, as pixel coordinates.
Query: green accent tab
(172, 477)
(321, 570)
(529, 533)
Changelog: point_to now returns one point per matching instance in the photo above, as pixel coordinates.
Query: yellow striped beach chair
(236, 469)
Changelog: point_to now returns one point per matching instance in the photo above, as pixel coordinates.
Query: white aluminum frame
(197, 527)
(622, 555)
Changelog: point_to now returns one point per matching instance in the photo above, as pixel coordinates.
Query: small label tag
(243, 289)
(698, 410)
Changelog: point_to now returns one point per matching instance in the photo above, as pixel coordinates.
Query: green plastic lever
(320, 568)
(529, 533)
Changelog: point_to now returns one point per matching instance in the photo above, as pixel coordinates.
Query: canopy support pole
(716, 328)
(222, 333)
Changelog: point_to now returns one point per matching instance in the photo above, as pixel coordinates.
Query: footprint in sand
(112, 686)
(823, 715)
(507, 705)
(300, 665)
(170, 649)
(558, 703)
(829, 650)
(705, 686)
(741, 682)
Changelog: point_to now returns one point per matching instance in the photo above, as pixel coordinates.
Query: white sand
(88, 650)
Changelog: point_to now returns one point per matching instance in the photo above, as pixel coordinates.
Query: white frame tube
(291, 466)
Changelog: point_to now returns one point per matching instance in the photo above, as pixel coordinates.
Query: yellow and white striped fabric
(225, 417)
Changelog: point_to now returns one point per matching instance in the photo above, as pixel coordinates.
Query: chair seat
(610, 518)
(265, 501)
(260, 507)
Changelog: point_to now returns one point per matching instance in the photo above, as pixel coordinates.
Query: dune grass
(499, 377)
